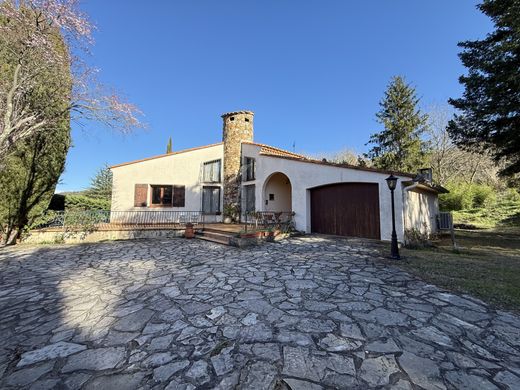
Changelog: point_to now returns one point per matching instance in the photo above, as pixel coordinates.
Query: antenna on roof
(294, 146)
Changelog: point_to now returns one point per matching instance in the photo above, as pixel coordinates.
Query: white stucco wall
(421, 209)
(304, 176)
(175, 169)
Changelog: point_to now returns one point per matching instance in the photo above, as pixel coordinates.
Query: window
(211, 172)
(250, 197)
(271, 196)
(162, 196)
(211, 200)
(249, 169)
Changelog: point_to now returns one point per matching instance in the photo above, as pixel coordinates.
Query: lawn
(486, 265)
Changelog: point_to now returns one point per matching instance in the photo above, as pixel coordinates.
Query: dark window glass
(250, 198)
(162, 195)
(249, 167)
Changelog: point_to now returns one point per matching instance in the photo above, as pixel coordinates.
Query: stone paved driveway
(307, 313)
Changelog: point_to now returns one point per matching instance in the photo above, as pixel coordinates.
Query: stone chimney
(238, 127)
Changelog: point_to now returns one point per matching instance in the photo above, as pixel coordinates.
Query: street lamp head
(392, 182)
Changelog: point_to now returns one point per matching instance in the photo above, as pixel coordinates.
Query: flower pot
(189, 232)
(228, 220)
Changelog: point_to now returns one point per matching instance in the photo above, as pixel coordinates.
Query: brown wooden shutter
(178, 196)
(140, 195)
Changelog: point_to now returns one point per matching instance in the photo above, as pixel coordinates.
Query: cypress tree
(169, 145)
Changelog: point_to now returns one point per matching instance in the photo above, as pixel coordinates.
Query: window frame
(218, 162)
(162, 187)
(249, 167)
(219, 197)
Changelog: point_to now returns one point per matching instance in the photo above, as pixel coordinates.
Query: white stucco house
(241, 174)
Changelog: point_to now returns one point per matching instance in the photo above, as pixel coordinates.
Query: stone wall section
(237, 127)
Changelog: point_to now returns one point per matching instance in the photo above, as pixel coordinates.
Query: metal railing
(103, 219)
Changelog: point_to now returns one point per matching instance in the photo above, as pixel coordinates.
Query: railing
(269, 219)
(103, 219)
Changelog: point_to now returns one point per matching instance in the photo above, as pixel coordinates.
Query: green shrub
(483, 195)
(467, 196)
(83, 202)
(459, 198)
(511, 195)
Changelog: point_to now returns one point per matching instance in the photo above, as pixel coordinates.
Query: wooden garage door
(346, 209)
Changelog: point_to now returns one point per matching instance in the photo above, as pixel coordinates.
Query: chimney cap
(237, 112)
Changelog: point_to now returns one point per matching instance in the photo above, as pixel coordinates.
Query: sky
(312, 71)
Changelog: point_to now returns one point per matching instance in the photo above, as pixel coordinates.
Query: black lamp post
(392, 184)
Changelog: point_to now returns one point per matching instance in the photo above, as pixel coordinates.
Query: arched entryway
(277, 193)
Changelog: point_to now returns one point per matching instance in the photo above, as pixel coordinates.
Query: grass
(486, 265)
(503, 213)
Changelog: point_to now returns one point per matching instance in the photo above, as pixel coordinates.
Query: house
(239, 175)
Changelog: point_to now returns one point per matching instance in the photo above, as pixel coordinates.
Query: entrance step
(216, 236)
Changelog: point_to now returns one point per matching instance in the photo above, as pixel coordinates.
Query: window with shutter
(140, 195)
(179, 194)
(162, 196)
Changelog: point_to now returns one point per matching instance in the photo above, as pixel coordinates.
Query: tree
(399, 146)
(452, 164)
(38, 36)
(489, 106)
(43, 85)
(33, 164)
(101, 184)
(169, 145)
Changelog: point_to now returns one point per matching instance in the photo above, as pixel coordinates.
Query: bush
(483, 195)
(511, 195)
(467, 196)
(459, 198)
(82, 202)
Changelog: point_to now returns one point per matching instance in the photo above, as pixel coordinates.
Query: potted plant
(230, 213)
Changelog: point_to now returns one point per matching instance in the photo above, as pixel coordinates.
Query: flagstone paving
(305, 313)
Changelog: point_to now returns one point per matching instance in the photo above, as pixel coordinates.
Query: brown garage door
(346, 209)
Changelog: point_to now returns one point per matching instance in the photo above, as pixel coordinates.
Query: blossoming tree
(42, 35)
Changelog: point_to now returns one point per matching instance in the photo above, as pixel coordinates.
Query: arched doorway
(277, 194)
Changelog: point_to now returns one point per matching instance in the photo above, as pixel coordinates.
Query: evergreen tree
(490, 105)
(169, 145)
(31, 169)
(101, 184)
(398, 147)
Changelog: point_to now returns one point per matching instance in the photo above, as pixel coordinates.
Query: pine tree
(399, 146)
(490, 103)
(101, 183)
(169, 145)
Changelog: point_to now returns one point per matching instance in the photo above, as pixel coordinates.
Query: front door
(210, 200)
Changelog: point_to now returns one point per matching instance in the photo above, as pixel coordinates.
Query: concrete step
(224, 240)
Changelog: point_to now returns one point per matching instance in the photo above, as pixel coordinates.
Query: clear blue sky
(313, 71)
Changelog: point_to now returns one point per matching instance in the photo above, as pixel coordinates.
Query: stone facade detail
(237, 127)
